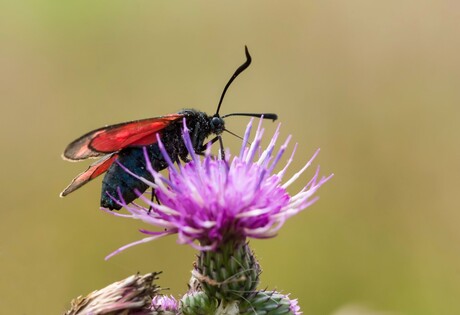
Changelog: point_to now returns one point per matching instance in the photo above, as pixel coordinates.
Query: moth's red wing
(113, 138)
(93, 171)
(136, 133)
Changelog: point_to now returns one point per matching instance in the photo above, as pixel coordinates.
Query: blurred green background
(375, 84)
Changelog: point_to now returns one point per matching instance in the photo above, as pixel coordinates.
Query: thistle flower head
(132, 295)
(214, 201)
(273, 302)
(165, 303)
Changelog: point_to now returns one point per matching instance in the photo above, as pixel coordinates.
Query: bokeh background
(375, 84)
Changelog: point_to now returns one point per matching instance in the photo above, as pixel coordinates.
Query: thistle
(215, 205)
(132, 295)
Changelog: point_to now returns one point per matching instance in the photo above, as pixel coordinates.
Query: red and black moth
(123, 143)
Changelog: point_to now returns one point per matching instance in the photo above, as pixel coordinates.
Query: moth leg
(196, 134)
(153, 198)
(222, 150)
(204, 146)
(212, 141)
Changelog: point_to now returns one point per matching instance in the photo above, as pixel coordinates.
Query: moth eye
(217, 123)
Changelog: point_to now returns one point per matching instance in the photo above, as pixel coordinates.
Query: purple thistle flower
(214, 201)
(165, 303)
(294, 306)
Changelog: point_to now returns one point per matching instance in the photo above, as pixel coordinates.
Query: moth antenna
(243, 67)
(271, 116)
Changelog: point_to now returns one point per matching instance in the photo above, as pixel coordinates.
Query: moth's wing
(114, 138)
(93, 171)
